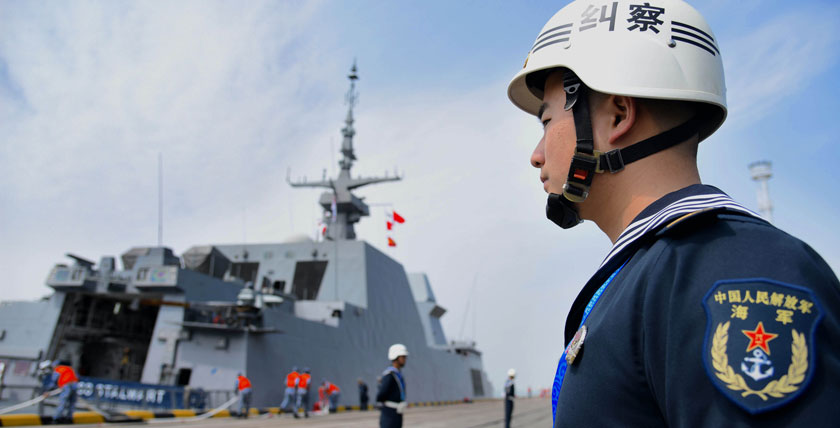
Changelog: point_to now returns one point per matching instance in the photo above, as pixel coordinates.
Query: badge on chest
(575, 345)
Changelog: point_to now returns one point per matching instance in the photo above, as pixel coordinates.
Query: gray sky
(234, 94)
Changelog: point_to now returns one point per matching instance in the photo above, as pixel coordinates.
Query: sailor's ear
(615, 115)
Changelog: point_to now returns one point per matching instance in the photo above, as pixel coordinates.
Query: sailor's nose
(538, 156)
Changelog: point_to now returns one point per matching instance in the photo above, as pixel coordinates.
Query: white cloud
(101, 88)
(777, 60)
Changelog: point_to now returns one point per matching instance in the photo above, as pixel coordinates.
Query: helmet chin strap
(587, 161)
(561, 211)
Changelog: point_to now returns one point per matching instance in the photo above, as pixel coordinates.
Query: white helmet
(661, 49)
(397, 350)
(511, 373)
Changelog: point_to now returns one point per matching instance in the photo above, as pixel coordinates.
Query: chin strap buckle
(611, 161)
(583, 169)
(581, 172)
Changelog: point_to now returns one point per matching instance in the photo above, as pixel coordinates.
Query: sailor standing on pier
(703, 314)
(363, 395)
(243, 385)
(289, 399)
(510, 394)
(392, 389)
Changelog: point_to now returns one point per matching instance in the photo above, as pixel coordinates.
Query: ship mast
(343, 209)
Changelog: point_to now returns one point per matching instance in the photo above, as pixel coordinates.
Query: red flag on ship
(390, 225)
(398, 218)
(391, 242)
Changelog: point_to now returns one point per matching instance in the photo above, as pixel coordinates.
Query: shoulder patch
(759, 346)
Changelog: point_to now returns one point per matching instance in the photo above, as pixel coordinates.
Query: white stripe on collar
(679, 208)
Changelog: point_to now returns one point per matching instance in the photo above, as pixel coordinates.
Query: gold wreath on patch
(776, 388)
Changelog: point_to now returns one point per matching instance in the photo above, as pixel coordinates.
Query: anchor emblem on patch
(756, 328)
(752, 366)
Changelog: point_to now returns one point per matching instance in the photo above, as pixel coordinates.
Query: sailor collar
(659, 215)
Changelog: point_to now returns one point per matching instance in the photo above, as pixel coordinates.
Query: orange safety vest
(291, 378)
(333, 389)
(321, 393)
(304, 380)
(244, 383)
(65, 375)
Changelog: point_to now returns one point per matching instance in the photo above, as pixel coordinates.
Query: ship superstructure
(195, 321)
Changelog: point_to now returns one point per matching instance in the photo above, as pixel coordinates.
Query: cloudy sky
(234, 94)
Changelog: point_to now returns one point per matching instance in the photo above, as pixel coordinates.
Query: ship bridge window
(246, 271)
(307, 279)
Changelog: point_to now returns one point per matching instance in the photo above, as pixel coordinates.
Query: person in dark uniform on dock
(510, 394)
(391, 393)
(702, 314)
(363, 395)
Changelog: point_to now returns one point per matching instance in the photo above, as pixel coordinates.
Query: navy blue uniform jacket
(389, 390)
(717, 319)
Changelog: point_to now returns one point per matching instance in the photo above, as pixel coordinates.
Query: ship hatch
(110, 335)
(307, 279)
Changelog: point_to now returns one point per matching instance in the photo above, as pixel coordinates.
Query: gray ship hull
(334, 307)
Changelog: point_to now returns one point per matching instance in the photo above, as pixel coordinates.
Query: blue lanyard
(401, 380)
(561, 367)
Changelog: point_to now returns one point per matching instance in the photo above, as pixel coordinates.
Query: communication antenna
(761, 172)
(160, 200)
(467, 309)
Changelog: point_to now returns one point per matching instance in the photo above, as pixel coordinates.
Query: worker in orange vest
(333, 392)
(292, 380)
(322, 397)
(64, 377)
(243, 385)
(303, 392)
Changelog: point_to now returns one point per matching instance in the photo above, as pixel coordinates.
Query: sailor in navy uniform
(391, 393)
(510, 394)
(702, 313)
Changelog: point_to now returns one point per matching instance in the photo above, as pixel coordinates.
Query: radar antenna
(343, 209)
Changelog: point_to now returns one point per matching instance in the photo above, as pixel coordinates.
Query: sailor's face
(553, 153)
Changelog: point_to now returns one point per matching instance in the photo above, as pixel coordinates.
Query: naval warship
(163, 327)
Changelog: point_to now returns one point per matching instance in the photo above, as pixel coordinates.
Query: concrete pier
(484, 414)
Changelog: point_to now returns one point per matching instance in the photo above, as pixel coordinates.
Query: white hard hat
(397, 350)
(511, 373)
(659, 49)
